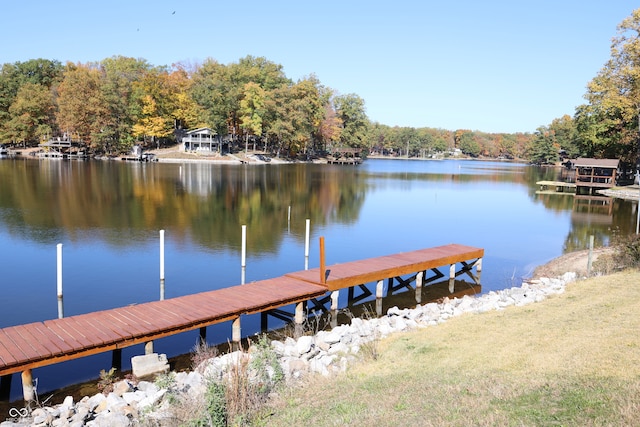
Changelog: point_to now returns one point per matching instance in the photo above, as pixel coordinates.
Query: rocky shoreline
(326, 353)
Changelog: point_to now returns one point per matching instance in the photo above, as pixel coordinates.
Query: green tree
(564, 130)
(252, 110)
(350, 110)
(607, 125)
(466, 142)
(82, 110)
(41, 72)
(32, 114)
(544, 149)
(123, 101)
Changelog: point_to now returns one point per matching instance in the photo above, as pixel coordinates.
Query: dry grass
(571, 360)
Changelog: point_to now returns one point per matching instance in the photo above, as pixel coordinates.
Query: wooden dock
(33, 345)
(554, 187)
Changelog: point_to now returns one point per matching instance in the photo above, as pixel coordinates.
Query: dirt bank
(574, 261)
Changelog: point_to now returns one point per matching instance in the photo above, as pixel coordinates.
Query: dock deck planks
(340, 276)
(44, 343)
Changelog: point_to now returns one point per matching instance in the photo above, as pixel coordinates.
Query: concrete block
(149, 364)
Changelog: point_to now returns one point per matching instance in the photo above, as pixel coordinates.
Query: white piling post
(419, 282)
(590, 256)
(243, 260)
(306, 244)
(161, 254)
(452, 277)
(289, 215)
(59, 252)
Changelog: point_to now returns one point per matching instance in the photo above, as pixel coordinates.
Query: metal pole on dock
(306, 244)
(161, 265)
(59, 269)
(59, 280)
(243, 261)
(243, 257)
(161, 254)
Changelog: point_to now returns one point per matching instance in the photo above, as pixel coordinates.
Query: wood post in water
(590, 255)
(28, 391)
(202, 336)
(116, 359)
(5, 387)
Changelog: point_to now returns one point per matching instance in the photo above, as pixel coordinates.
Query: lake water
(107, 216)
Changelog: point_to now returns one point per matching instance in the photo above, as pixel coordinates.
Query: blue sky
(492, 65)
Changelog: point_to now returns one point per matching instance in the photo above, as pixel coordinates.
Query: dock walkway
(33, 345)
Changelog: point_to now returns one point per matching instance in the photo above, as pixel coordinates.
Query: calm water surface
(108, 215)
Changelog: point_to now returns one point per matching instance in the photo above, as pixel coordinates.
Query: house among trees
(201, 140)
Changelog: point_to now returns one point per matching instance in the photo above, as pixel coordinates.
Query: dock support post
(334, 308)
(60, 308)
(28, 391)
(236, 334)
(306, 243)
(59, 268)
(116, 359)
(161, 265)
(419, 282)
(202, 336)
(264, 321)
(5, 387)
(59, 280)
(379, 293)
(161, 254)
(148, 347)
(452, 277)
(298, 319)
(243, 259)
(323, 276)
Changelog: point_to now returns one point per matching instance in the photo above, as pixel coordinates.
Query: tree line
(116, 103)
(119, 102)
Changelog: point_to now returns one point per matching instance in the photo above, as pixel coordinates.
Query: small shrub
(201, 353)
(266, 366)
(107, 380)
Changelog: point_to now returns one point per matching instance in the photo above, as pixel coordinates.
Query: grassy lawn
(572, 360)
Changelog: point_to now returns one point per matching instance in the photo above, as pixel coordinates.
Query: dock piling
(59, 269)
(306, 244)
(243, 256)
(162, 255)
(236, 334)
(419, 282)
(379, 293)
(28, 390)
